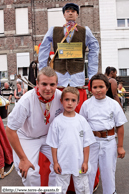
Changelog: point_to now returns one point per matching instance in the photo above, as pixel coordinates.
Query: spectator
(22, 83)
(121, 92)
(7, 91)
(19, 91)
(111, 72)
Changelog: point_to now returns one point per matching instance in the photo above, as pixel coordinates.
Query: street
(122, 171)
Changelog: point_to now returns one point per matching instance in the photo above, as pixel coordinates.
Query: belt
(104, 133)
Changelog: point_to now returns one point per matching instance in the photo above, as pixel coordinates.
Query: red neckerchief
(41, 99)
(70, 25)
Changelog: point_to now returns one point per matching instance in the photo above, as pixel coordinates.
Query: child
(70, 136)
(121, 93)
(103, 114)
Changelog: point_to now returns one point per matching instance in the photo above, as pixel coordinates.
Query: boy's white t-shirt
(27, 116)
(103, 114)
(69, 135)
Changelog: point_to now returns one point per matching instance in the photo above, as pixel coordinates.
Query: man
(28, 125)
(70, 71)
(7, 92)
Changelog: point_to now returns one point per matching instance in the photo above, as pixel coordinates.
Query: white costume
(70, 135)
(28, 118)
(103, 115)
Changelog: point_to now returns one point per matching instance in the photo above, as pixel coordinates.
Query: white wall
(112, 37)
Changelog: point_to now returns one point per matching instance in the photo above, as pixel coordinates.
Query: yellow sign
(70, 50)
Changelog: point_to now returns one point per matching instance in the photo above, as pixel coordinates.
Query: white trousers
(32, 147)
(81, 183)
(103, 153)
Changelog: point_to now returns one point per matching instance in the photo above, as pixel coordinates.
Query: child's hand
(57, 168)
(84, 168)
(121, 152)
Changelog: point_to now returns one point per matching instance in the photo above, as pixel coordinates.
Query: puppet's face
(47, 86)
(70, 15)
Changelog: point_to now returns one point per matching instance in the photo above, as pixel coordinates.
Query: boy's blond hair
(71, 90)
(49, 72)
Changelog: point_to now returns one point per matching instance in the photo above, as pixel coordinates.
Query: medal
(45, 119)
(46, 113)
(48, 106)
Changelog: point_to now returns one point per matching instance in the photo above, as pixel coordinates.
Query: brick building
(23, 24)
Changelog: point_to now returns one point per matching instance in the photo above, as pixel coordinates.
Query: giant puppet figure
(70, 70)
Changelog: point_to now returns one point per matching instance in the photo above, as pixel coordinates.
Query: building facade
(24, 23)
(114, 27)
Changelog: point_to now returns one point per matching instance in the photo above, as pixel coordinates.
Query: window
(1, 22)
(122, 13)
(21, 15)
(55, 17)
(23, 62)
(3, 67)
(123, 61)
(128, 22)
(3, 75)
(123, 72)
(121, 22)
(23, 59)
(24, 71)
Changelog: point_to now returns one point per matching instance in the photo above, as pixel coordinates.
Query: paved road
(122, 172)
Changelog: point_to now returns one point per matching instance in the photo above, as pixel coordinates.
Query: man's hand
(84, 168)
(121, 152)
(24, 166)
(57, 168)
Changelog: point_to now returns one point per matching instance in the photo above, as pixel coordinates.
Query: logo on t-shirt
(111, 115)
(58, 112)
(81, 133)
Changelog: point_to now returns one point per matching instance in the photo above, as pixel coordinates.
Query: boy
(70, 136)
(103, 114)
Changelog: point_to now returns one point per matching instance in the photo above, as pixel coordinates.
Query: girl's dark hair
(99, 76)
(109, 69)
